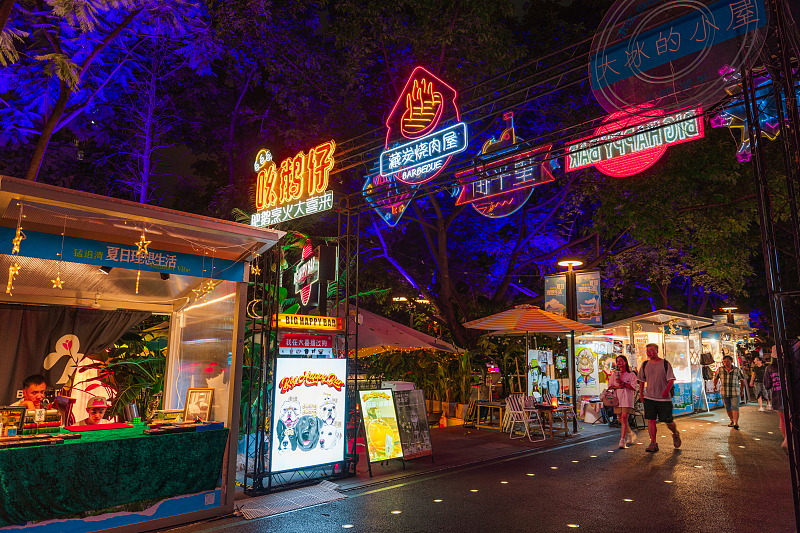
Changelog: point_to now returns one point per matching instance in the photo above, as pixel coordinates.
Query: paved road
(721, 480)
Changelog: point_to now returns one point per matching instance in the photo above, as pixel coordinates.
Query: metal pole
(574, 382)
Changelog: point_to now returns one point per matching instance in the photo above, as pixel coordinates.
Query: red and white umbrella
(528, 318)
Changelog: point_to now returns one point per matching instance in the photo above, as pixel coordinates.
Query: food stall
(721, 339)
(82, 270)
(678, 340)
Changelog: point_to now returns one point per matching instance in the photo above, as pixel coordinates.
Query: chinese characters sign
(296, 188)
(672, 52)
(416, 148)
(317, 346)
(627, 144)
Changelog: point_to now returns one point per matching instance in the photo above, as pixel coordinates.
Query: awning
(528, 318)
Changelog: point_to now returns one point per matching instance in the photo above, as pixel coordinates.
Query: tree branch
(698, 207)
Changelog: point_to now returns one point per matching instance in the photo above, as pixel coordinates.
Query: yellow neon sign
(319, 323)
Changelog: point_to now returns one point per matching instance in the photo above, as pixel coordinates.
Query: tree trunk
(703, 304)
(689, 305)
(144, 185)
(5, 12)
(232, 130)
(47, 131)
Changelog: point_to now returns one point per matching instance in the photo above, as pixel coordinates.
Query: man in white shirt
(657, 395)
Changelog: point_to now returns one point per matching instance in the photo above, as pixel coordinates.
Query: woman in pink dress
(624, 382)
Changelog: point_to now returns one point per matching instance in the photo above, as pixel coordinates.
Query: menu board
(380, 425)
(308, 413)
(412, 421)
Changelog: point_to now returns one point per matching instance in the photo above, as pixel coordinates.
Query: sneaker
(653, 447)
(769, 407)
(760, 409)
(676, 440)
(785, 447)
(736, 426)
(622, 444)
(631, 437)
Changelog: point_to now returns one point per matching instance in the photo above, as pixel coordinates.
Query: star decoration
(255, 270)
(198, 293)
(17, 240)
(57, 282)
(12, 271)
(142, 244)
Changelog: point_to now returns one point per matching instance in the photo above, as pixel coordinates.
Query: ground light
(574, 461)
(667, 481)
(531, 474)
(741, 446)
(573, 525)
(698, 466)
(437, 501)
(347, 526)
(396, 512)
(474, 490)
(554, 467)
(504, 482)
(592, 456)
(723, 455)
(627, 500)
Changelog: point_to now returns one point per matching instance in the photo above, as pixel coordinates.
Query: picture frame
(198, 404)
(171, 415)
(12, 416)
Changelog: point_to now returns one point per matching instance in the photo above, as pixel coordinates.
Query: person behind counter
(32, 392)
(96, 408)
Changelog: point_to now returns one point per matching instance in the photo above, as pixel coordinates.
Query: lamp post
(572, 314)
(729, 312)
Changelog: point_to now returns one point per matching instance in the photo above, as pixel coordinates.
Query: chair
(434, 418)
(519, 414)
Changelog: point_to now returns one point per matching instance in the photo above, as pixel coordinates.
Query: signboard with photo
(380, 425)
(555, 294)
(308, 413)
(589, 303)
(412, 421)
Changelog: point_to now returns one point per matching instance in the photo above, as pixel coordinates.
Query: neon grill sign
(625, 144)
(296, 188)
(417, 148)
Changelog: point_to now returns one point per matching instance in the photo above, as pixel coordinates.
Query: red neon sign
(626, 144)
(298, 177)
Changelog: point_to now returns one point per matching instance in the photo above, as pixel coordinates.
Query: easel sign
(412, 421)
(381, 433)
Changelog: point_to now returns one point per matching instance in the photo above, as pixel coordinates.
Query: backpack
(666, 367)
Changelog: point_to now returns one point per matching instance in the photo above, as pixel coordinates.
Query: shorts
(624, 410)
(731, 403)
(760, 391)
(658, 410)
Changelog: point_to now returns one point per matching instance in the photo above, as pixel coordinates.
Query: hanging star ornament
(17, 240)
(255, 270)
(12, 271)
(198, 292)
(58, 281)
(142, 244)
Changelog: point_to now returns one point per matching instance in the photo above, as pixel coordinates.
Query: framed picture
(198, 404)
(12, 417)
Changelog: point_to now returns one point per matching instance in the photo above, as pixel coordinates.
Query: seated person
(32, 392)
(96, 408)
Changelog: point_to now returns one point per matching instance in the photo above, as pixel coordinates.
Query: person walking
(624, 382)
(757, 382)
(772, 381)
(656, 379)
(731, 378)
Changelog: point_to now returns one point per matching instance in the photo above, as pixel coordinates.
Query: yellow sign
(319, 323)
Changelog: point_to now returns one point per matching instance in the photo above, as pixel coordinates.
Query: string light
(12, 271)
(138, 275)
(19, 237)
(255, 270)
(58, 281)
(142, 245)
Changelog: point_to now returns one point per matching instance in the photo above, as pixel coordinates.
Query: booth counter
(82, 269)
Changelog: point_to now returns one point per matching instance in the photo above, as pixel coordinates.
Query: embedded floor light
(106, 270)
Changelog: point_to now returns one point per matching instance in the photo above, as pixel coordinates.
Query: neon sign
(416, 149)
(626, 144)
(509, 180)
(388, 197)
(296, 188)
(322, 323)
(311, 276)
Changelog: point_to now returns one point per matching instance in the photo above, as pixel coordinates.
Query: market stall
(678, 340)
(82, 270)
(721, 339)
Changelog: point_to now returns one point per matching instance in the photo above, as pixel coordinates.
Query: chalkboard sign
(412, 421)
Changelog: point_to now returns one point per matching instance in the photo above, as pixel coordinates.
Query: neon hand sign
(417, 148)
(296, 188)
(508, 181)
(626, 144)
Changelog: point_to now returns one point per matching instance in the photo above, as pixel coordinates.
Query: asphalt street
(720, 480)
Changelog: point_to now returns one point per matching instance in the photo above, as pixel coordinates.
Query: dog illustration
(287, 437)
(307, 432)
(328, 437)
(290, 413)
(327, 412)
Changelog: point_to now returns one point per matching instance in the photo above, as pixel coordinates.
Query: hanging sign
(500, 186)
(388, 197)
(308, 322)
(672, 53)
(627, 144)
(296, 188)
(555, 294)
(380, 425)
(308, 413)
(418, 147)
(589, 301)
(312, 275)
(318, 346)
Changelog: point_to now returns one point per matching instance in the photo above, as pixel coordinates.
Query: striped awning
(528, 318)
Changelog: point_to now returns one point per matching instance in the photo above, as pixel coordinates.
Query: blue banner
(555, 294)
(682, 403)
(589, 302)
(699, 30)
(88, 252)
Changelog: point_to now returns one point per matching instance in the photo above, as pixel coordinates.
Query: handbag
(708, 375)
(706, 359)
(610, 398)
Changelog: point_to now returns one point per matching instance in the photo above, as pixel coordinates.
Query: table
(565, 426)
(105, 469)
(491, 407)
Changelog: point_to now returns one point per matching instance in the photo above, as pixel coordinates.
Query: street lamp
(572, 313)
(729, 312)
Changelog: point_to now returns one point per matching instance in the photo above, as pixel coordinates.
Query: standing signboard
(412, 421)
(380, 425)
(588, 379)
(308, 413)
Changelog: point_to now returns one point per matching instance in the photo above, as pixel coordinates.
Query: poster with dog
(308, 413)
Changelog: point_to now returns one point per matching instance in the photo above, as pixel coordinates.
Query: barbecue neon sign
(626, 144)
(416, 148)
(296, 188)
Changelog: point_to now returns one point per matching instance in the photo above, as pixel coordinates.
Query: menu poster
(412, 421)
(380, 425)
(308, 414)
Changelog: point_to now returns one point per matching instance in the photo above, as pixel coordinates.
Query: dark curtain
(31, 333)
